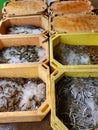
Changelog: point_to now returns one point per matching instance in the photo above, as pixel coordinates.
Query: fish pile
(20, 94)
(22, 54)
(24, 29)
(76, 54)
(77, 102)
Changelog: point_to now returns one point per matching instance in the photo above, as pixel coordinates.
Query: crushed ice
(77, 103)
(22, 54)
(27, 96)
(26, 29)
(69, 56)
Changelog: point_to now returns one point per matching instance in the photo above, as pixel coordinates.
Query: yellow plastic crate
(30, 71)
(86, 39)
(56, 123)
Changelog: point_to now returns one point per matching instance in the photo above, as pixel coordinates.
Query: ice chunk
(31, 91)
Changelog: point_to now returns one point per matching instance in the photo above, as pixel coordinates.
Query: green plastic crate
(2, 3)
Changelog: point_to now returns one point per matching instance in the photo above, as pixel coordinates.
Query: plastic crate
(38, 21)
(56, 123)
(23, 40)
(23, 8)
(73, 23)
(31, 71)
(86, 39)
(70, 7)
(1, 3)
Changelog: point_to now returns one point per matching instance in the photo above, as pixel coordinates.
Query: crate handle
(55, 73)
(46, 32)
(5, 3)
(45, 61)
(4, 11)
(45, 66)
(54, 65)
(45, 108)
(46, 39)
